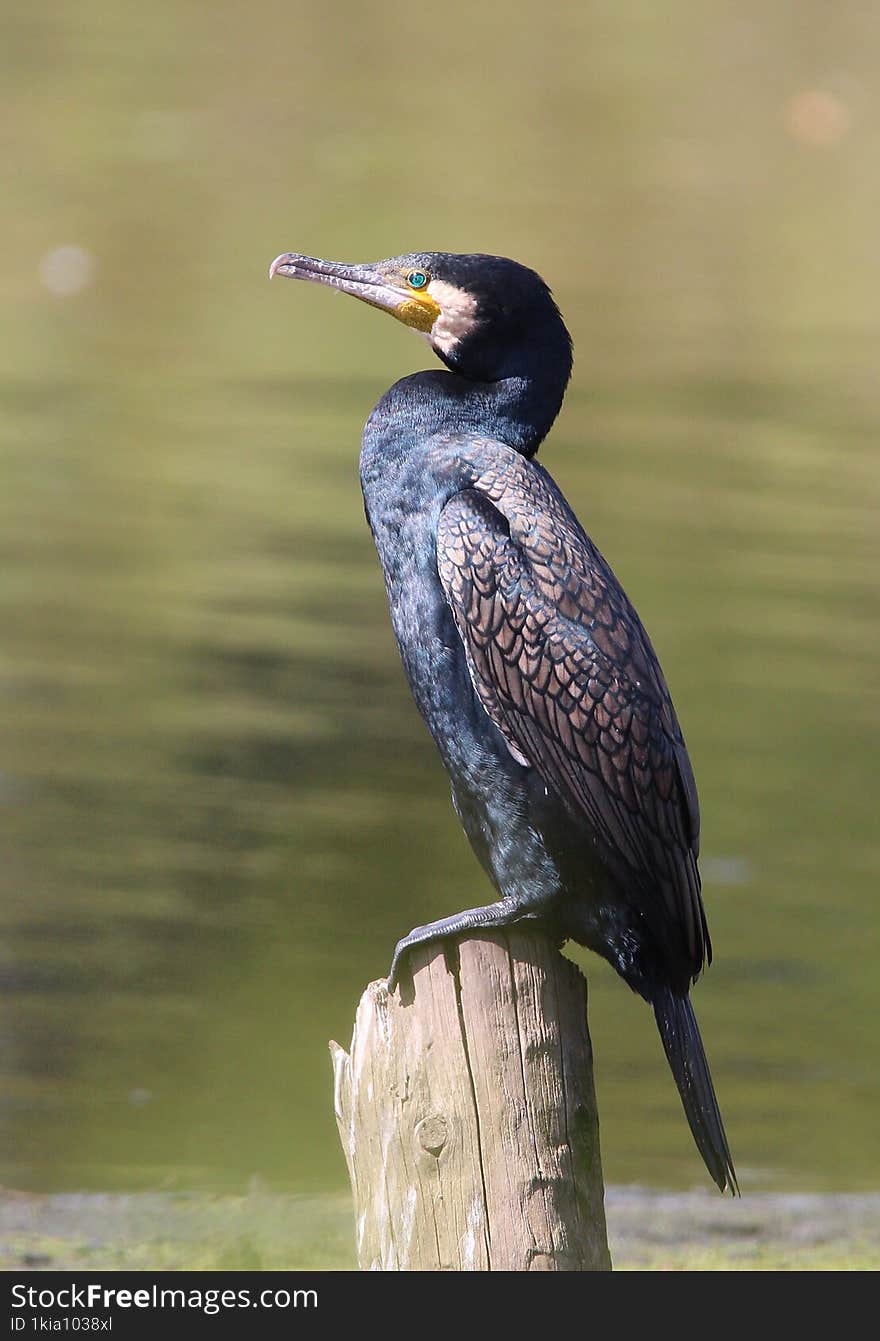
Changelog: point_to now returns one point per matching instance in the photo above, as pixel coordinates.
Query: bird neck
(517, 410)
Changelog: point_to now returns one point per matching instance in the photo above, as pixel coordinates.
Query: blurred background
(218, 807)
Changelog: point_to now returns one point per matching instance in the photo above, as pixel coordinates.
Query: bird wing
(563, 667)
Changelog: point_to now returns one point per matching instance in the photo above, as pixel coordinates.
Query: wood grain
(467, 1114)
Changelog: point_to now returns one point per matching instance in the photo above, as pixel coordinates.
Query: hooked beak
(361, 281)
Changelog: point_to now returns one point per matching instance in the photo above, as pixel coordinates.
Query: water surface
(219, 807)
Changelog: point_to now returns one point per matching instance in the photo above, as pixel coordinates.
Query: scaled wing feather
(562, 666)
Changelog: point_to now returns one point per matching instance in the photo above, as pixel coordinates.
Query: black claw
(393, 979)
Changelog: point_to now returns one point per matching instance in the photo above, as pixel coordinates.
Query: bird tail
(687, 1059)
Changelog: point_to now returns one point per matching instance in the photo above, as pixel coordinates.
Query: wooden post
(467, 1114)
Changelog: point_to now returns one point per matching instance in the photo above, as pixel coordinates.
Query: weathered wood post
(467, 1114)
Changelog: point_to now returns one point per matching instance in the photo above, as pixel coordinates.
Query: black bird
(527, 661)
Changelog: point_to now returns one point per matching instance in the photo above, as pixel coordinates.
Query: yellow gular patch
(419, 311)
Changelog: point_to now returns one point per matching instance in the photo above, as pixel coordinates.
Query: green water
(218, 807)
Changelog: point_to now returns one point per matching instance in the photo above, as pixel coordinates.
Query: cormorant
(527, 661)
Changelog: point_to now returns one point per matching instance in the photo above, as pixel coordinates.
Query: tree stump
(467, 1113)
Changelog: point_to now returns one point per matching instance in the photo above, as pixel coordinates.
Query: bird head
(486, 317)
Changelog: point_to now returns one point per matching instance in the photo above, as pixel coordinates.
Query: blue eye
(417, 279)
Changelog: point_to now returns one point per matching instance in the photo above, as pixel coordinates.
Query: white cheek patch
(458, 314)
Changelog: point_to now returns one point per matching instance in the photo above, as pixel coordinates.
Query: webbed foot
(493, 915)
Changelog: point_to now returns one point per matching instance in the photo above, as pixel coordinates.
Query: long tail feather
(687, 1059)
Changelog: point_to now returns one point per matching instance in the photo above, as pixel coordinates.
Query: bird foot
(492, 917)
